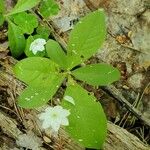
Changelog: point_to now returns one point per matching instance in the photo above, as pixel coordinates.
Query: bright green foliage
(56, 54)
(87, 37)
(26, 21)
(1, 19)
(42, 76)
(23, 5)
(36, 36)
(2, 6)
(28, 52)
(27, 48)
(48, 8)
(22, 22)
(87, 122)
(44, 31)
(2, 10)
(37, 96)
(32, 68)
(16, 39)
(97, 74)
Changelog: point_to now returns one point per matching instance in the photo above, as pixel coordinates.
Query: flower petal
(42, 116)
(49, 109)
(54, 117)
(46, 124)
(37, 45)
(65, 122)
(62, 112)
(55, 126)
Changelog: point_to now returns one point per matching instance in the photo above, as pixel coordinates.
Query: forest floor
(127, 47)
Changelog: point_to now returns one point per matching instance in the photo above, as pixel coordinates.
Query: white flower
(29, 141)
(37, 45)
(54, 117)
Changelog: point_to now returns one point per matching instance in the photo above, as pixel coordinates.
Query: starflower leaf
(87, 121)
(39, 93)
(56, 53)
(86, 38)
(44, 31)
(27, 50)
(2, 10)
(97, 74)
(33, 69)
(26, 21)
(48, 8)
(1, 19)
(23, 5)
(2, 6)
(16, 39)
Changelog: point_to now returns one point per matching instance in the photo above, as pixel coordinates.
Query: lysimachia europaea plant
(44, 76)
(22, 24)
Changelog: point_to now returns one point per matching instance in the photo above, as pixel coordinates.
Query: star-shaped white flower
(54, 117)
(37, 45)
(29, 141)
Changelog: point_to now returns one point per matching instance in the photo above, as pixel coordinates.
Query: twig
(130, 47)
(50, 25)
(126, 46)
(118, 95)
(10, 110)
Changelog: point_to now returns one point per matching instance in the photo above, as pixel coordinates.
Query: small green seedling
(23, 22)
(44, 76)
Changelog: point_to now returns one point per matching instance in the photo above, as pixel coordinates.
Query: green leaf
(56, 53)
(16, 39)
(2, 10)
(86, 37)
(31, 70)
(1, 19)
(97, 74)
(23, 5)
(26, 21)
(87, 121)
(2, 6)
(28, 52)
(48, 8)
(37, 96)
(44, 31)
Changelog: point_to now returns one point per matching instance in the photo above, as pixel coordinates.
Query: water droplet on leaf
(78, 117)
(32, 96)
(28, 99)
(74, 51)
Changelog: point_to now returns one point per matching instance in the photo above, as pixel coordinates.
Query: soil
(126, 47)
